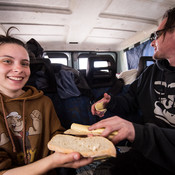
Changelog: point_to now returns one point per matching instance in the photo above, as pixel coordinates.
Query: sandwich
(94, 146)
(75, 140)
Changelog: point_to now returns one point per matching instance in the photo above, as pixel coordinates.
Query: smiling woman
(14, 66)
(26, 112)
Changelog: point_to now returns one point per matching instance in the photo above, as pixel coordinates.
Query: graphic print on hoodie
(15, 123)
(165, 106)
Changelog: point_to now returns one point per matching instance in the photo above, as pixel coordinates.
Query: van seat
(101, 76)
(144, 62)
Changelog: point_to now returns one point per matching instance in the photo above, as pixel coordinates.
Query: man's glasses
(158, 33)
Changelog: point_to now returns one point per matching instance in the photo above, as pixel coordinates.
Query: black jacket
(153, 93)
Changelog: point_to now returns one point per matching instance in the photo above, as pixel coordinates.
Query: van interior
(80, 49)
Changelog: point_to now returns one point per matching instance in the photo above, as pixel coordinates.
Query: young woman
(27, 118)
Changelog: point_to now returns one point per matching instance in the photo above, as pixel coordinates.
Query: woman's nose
(17, 68)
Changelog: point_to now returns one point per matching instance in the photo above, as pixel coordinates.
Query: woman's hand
(55, 160)
(71, 160)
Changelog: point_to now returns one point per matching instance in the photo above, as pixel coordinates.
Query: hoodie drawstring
(161, 86)
(7, 126)
(9, 132)
(24, 134)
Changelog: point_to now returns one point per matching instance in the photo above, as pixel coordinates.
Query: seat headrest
(144, 62)
(101, 76)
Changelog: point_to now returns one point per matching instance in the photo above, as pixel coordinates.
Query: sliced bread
(95, 146)
(79, 129)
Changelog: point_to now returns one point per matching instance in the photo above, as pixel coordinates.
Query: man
(152, 140)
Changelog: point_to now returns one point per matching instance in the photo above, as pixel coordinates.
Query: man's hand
(124, 128)
(105, 100)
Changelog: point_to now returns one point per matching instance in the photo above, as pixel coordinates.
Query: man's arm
(156, 144)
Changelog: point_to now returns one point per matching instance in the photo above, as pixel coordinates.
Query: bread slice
(94, 146)
(78, 129)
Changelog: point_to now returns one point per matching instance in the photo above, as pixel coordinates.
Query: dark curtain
(134, 54)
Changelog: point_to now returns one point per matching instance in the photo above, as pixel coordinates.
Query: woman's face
(14, 69)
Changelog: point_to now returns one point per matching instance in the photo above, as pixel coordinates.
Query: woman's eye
(7, 61)
(25, 64)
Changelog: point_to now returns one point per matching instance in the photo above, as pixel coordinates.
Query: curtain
(134, 54)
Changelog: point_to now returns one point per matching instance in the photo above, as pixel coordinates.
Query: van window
(100, 64)
(83, 58)
(148, 63)
(59, 60)
(82, 62)
(57, 57)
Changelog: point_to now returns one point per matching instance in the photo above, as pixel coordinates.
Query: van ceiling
(83, 24)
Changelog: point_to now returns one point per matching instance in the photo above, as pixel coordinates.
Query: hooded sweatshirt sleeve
(130, 100)
(152, 141)
(125, 103)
